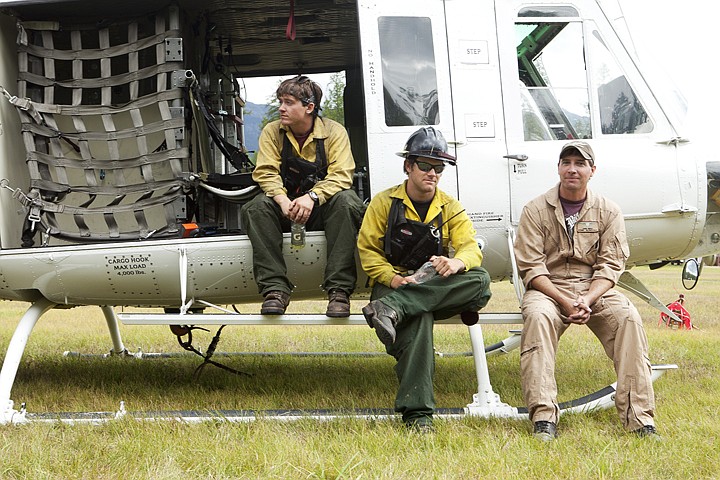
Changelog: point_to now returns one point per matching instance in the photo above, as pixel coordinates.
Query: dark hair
(409, 160)
(304, 89)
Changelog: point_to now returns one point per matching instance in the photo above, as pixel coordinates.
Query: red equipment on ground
(678, 309)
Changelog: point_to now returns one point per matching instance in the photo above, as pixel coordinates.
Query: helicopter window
(554, 11)
(620, 109)
(408, 71)
(533, 122)
(551, 68)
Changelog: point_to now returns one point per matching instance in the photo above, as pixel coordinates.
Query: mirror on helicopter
(691, 273)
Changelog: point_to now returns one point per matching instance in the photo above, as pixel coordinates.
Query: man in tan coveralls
(571, 249)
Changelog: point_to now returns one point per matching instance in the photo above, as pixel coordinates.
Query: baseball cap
(583, 147)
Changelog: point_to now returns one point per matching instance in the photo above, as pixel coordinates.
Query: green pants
(340, 217)
(418, 306)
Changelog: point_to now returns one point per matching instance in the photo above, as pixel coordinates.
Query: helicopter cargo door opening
(406, 83)
(566, 75)
(478, 113)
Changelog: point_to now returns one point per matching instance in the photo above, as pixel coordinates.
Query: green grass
(591, 445)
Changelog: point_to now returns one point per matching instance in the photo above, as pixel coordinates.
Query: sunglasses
(426, 167)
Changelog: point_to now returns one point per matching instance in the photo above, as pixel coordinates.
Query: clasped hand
(297, 210)
(577, 311)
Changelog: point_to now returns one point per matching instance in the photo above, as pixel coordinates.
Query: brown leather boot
(338, 304)
(275, 303)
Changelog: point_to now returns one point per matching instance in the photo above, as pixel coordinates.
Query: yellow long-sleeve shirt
(341, 165)
(457, 233)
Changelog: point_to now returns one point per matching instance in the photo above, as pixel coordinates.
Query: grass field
(590, 445)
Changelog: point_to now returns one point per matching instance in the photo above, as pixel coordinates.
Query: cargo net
(103, 126)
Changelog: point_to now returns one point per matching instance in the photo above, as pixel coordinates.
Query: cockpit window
(554, 77)
(408, 71)
(552, 72)
(620, 109)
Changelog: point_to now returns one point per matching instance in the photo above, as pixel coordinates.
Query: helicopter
(123, 167)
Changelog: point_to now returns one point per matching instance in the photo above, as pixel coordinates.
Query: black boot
(383, 319)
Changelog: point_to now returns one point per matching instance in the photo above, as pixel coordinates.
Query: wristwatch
(314, 197)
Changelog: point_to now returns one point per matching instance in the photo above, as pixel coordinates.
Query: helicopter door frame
(406, 83)
(534, 136)
(483, 186)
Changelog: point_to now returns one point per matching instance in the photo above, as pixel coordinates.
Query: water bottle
(424, 273)
(297, 235)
